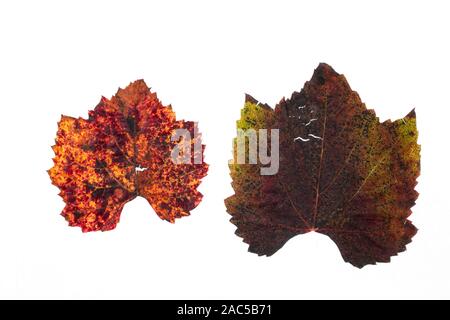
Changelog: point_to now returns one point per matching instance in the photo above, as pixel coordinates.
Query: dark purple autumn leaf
(341, 173)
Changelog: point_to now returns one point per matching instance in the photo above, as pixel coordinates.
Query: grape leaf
(121, 151)
(341, 173)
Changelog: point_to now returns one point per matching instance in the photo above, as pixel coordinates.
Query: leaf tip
(411, 114)
(250, 99)
(324, 69)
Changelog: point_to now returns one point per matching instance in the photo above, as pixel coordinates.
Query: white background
(201, 57)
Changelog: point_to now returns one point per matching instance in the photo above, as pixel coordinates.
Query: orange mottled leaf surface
(342, 173)
(124, 150)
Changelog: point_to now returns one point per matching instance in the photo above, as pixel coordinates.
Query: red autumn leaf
(341, 173)
(121, 151)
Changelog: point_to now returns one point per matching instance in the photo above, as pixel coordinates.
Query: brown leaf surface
(342, 173)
